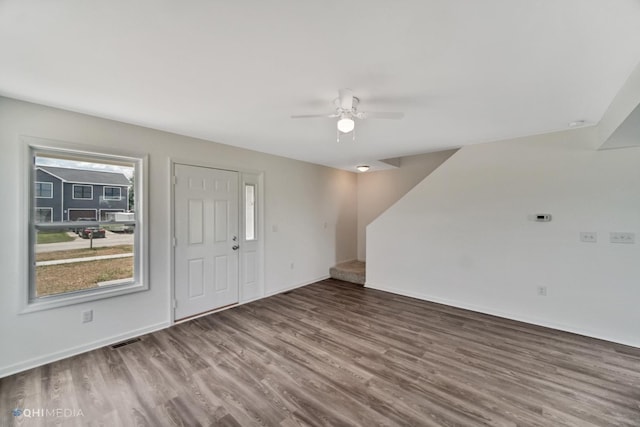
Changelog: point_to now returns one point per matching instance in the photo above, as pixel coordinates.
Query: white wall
(313, 207)
(462, 236)
(380, 189)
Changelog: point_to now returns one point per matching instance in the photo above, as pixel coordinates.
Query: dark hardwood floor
(337, 354)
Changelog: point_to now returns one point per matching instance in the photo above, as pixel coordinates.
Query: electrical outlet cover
(622, 237)
(589, 237)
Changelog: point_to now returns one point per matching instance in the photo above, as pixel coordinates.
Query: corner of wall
(627, 99)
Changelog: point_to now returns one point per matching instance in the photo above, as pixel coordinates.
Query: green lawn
(53, 237)
(61, 278)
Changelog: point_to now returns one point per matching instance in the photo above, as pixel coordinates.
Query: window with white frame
(91, 258)
(43, 215)
(82, 192)
(112, 193)
(44, 190)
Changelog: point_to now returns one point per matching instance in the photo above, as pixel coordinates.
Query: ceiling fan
(346, 111)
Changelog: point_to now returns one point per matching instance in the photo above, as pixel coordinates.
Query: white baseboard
(53, 357)
(498, 313)
(279, 291)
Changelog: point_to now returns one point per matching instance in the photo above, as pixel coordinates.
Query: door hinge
(175, 180)
(175, 304)
(174, 242)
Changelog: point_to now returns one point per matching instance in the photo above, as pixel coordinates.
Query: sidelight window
(250, 211)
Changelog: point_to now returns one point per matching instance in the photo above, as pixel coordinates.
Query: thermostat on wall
(542, 217)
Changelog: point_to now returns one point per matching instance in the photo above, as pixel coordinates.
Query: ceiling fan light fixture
(346, 124)
(362, 168)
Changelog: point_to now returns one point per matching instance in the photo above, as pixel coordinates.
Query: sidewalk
(111, 239)
(91, 258)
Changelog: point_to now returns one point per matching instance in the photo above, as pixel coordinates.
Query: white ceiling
(462, 71)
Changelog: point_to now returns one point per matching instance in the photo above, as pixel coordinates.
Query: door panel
(196, 277)
(206, 222)
(196, 225)
(222, 273)
(220, 219)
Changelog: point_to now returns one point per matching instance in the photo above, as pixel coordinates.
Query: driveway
(110, 239)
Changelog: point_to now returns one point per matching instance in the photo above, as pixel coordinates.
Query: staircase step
(350, 271)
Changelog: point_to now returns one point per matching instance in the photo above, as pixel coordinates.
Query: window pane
(44, 190)
(112, 193)
(82, 192)
(43, 215)
(250, 211)
(73, 250)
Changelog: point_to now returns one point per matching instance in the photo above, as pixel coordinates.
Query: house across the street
(66, 194)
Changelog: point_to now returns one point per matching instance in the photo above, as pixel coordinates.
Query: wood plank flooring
(336, 354)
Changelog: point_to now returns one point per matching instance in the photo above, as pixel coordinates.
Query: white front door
(206, 227)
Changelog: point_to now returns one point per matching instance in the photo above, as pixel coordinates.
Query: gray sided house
(65, 194)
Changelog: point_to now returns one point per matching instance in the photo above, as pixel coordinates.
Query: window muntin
(43, 190)
(249, 212)
(85, 278)
(82, 192)
(112, 193)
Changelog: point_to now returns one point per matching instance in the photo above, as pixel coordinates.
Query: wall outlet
(87, 316)
(588, 236)
(542, 291)
(618, 237)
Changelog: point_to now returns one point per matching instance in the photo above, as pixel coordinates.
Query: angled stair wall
(379, 190)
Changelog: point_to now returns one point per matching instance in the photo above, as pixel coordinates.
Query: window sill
(46, 303)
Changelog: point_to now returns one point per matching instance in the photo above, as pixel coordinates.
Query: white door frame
(246, 176)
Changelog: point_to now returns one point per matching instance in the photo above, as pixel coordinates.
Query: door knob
(235, 247)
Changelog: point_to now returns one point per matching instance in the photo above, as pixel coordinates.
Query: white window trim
(73, 191)
(29, 304)
(45, 182)
(104, 190)
(45, 208)
(95, 214)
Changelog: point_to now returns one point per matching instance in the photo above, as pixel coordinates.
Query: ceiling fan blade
(346, 99)
(380, 115)
(315, 116)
